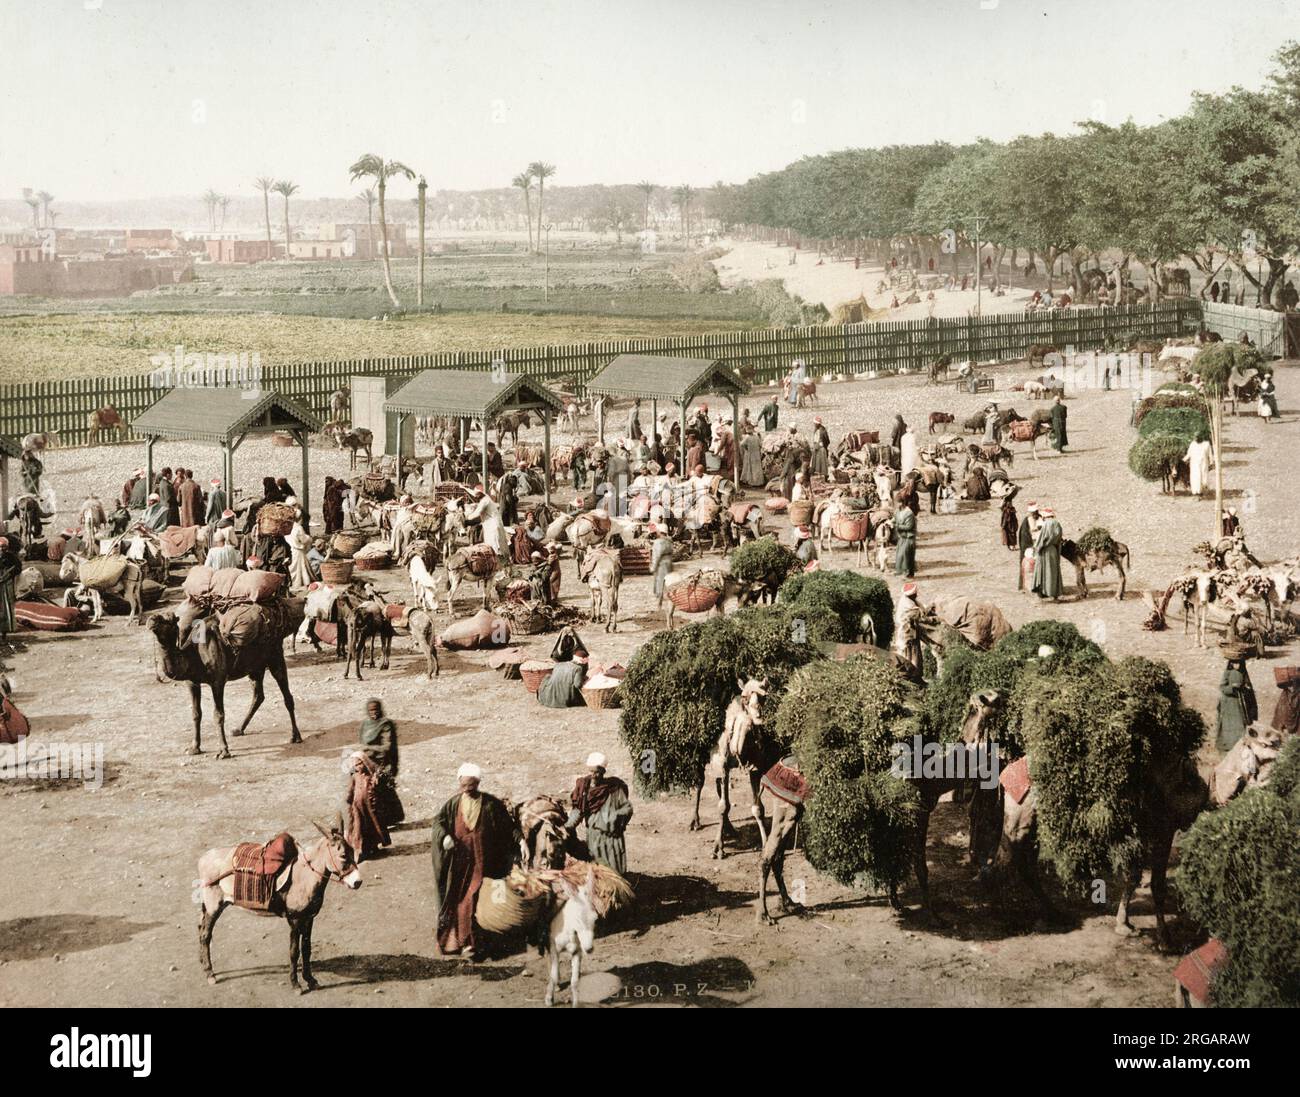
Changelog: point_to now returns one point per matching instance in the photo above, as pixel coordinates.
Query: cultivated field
(95, 886)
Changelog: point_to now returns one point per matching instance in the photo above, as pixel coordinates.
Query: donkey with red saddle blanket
(281, 879)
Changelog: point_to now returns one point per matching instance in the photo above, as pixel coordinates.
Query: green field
(52, 346)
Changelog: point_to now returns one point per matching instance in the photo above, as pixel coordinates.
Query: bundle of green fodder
(756, 560)
(1155, 456)
(849, 596)
(1096, 539)
(842, 720)
(1185, 421)
(1239, 877)
(678, 685)
(1101, 739)
(1162, 401)
(967, 670)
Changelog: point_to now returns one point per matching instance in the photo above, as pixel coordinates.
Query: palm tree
(368, 197)
(541, 171)
(287, 189)
(422, 189)
(524, 181)
(647, 188)
(225, 205)
(379, 169)
(683, 196)
(35, 203)
(210, 200)
(45, 199)
(264, 183)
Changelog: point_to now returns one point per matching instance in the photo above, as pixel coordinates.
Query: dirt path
(95, 886)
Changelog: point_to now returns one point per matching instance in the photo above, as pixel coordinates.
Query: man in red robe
(190, 497)
(473, 840)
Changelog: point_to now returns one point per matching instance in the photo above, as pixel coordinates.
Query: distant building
(242, 251)
(318, 249)
(360, 233)
(142, 240)
(30, 269)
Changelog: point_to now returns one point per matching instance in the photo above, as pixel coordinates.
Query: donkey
(572, 931)
(298, 903)
(602, 570)
(128, 586)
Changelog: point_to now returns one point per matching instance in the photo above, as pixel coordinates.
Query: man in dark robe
(496, 464)
(509, 501)
(473, 840)
(332, 506)
(1008, 524)
(190, 500)
(905, 532)
(1025, 540)
(1059, 437)
(896, 437)
(768, 414)
(563, 686)
(603, 803)
(821, 450)
(378, 737)
(1047, 557)
(216, 504)
(1286, 713)
(139, 497)
(128, 488)
(703, 428)
(166, 491)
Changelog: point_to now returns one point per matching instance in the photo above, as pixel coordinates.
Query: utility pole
(978, 219)
(419, 286)
(546, 276)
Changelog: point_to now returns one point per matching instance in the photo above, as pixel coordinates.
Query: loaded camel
(204, 657)
(107, 418)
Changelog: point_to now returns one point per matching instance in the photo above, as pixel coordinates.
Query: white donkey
(572, 932)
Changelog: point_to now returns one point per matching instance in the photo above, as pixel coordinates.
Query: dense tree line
(1215, 187)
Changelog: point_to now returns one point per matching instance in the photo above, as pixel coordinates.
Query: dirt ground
(95, 885)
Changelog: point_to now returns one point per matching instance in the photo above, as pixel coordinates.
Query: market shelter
(484, 395)
(656, 377)
(225, 417)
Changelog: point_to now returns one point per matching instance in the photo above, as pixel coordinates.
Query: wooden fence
(65, 406)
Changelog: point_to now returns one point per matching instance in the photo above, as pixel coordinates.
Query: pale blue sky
(111, 99)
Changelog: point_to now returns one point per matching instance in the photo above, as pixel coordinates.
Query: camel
(1170, 804)
(602, 571)
(206, 658)
(1249, 764)
(1097, 560)
(106, 418)
(297, 903)
(128, 586)
(744, 744)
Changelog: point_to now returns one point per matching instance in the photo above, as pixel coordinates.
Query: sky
(116, 99)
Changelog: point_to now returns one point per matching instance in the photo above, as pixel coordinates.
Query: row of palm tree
(541, 171)
(214, 202)
(285, 188)
(42, 215)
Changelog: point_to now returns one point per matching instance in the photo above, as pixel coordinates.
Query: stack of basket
(635, 558)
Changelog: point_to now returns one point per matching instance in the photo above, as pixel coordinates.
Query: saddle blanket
(47, 618)
(1015, 780)
(178, 540)
(256, 869)
(787, 783)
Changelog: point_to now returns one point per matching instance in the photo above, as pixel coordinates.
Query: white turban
(595, 759)
(469, 769)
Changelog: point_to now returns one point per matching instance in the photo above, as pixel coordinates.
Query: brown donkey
(297, 902)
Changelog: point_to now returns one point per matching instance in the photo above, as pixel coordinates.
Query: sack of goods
(248, 624)
(483, 630)
(203, 584)
(101, 572)
(275, 519)
(482, 560)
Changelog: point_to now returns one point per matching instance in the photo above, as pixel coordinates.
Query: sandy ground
(832, 282)
(95, 885)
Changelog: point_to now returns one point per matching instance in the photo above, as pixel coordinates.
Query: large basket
(852, 530)
(501, 909)
(601, 696)
(693, 596)
(336, 573)
(1237, 649)
(346, 542)
(801, 512)
(534, 674)
(373, 563)
(274, 520)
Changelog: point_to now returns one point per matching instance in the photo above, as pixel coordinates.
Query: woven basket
(849, 529)
(372, 563)
(501, 909)
(1236, 649)
(346, 542)
(274, 520)
(601, 697)
(801, 512)
(336, 573)
(534, 674)
(693, 597)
